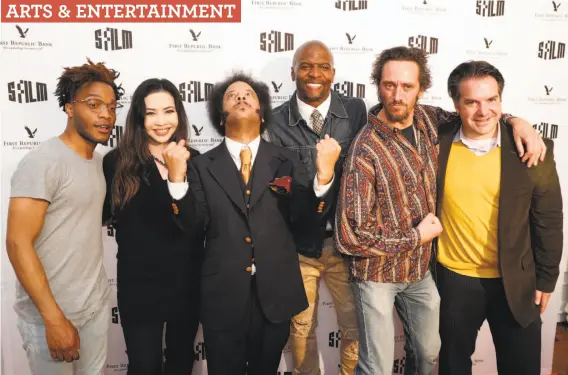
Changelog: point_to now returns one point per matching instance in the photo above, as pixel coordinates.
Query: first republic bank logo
(111, 39)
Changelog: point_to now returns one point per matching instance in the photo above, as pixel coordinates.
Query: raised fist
(176, 156)
(328, 150)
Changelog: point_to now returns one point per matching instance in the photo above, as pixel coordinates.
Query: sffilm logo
(398, 366)
(350, 89)
(27, 91)
(547, 130)
(195, 91)
(551, 50)
(115, 136)
(276, 41)
(113, 39)
(348, 5)
(426, 44)
(114, 315)
(110, 230)
(334, 339)
(490, 8)
(200, 351)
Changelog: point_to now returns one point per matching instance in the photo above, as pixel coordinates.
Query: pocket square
(281, 185)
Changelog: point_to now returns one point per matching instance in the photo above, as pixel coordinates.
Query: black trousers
(144, 346)
(465, 304)
(255, 348)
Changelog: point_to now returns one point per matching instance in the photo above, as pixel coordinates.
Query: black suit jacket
(273, 227)
(529, 222)
(157, 262)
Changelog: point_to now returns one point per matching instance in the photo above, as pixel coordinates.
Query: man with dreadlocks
(54, 238)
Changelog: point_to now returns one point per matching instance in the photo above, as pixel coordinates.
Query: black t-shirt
(409, 134)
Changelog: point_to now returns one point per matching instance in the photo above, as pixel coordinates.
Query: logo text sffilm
(113, 39)
(551, 50)
(398, 366)
(547, 130)
(115, 136)
(276, 41)
(115, 315)
(490, 8)
(200, 351)
(348, 5)
(426, 44)
(334, 339)
(24, 91)
(350, 89)
(195, 91)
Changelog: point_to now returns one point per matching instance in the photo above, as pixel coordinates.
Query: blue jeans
(418, 306)
(93, 331)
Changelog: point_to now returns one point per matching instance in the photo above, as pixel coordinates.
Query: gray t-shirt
(70, 245)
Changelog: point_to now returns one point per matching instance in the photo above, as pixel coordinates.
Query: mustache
(239, 103)
(394, 102)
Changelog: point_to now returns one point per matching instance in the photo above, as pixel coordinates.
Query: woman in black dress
(157, 260)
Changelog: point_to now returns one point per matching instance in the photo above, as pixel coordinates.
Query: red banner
(138, 11)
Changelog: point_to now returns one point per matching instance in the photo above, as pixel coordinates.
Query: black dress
(158, 261)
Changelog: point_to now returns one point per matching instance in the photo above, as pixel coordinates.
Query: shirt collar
(235, 147)
(306, 110)
(479, 144)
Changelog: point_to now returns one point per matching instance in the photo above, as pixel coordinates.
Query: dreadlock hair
(73, 78)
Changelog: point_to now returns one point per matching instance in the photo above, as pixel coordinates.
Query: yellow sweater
(469, 211)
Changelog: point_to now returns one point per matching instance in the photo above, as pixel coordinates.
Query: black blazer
(158, 262)
(529, 223)
(273, 226)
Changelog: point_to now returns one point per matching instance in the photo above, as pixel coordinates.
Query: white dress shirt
(306, 110)
(479, 146)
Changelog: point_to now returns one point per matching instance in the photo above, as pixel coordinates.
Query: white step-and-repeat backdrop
(526, 40)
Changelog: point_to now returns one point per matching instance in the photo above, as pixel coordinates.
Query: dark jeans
(144, 346)
(465, 304)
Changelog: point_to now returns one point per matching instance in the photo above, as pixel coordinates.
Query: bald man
(314, 112)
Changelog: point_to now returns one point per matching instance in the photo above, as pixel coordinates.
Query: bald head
(308, 46)
(313, 72)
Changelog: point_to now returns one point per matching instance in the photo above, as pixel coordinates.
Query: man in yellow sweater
(499, 253)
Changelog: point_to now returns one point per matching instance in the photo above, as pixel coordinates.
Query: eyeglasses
(97, 105)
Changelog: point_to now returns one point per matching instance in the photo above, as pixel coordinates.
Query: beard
(403, 113)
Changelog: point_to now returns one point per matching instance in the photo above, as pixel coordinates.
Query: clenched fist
(328, 151)
(176, 156)
(430, 228)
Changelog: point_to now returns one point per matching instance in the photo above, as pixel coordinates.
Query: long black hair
(133, 155)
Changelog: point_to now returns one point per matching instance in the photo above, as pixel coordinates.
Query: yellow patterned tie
(246, 157)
